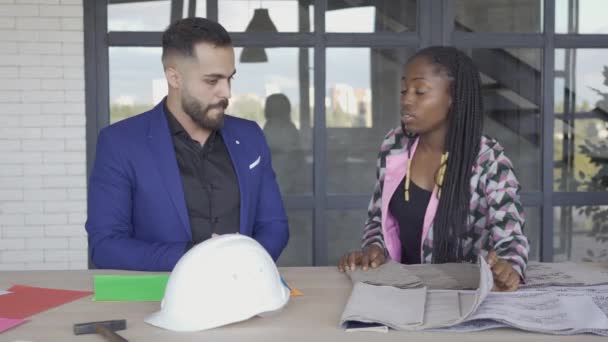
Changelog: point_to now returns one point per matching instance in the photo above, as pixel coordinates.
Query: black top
(210, 185)
(410, 217)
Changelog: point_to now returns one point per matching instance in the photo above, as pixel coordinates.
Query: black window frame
(429, 32)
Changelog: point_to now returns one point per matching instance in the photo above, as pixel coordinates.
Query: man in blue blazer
(184, 171)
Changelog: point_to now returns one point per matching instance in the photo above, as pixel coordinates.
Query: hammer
(104, 328)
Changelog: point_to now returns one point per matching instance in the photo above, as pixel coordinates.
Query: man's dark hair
(465, 123)
(181, 36)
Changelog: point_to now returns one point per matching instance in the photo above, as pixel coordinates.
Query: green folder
(130, 288)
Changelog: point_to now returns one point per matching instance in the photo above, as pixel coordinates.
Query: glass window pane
(201, 8)
(299, 249)
(261, 16)
(151, 15)
(532, 231)
(286, 118)
(581, 120)
(516, 16)
(511, 82)
(344, 231)
(137, 80)
(581, 233)
(371, 16)
(581, 16)
(360, 108)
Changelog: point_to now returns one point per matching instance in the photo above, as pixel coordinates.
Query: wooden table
(312, 317)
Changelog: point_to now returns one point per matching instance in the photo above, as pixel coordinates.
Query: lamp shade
(260, 22)
(253, 55)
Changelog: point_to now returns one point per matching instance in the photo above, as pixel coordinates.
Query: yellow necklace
(440, 175)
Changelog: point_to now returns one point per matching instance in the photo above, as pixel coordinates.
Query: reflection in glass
(137, 81)
(299, 248)
(499, 16)
(278, 96)
(511, 86)
(581, 16)
(360, 107)
(371, 16)
(150, 15)
(581, 120)
(344, 231)
(286, 15)
(581, 233)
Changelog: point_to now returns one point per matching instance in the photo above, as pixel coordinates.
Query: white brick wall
(42, 135)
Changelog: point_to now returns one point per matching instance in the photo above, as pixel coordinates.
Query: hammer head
(89, 327)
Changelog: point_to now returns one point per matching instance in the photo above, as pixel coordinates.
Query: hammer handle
(109, 334)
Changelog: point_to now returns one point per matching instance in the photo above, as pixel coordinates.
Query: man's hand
(506, 279)
(370, 256)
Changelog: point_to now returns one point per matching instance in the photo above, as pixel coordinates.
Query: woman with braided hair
(444, 192)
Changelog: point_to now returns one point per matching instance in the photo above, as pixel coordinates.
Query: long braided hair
(465, 122)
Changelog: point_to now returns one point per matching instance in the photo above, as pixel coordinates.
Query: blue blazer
(137, 215)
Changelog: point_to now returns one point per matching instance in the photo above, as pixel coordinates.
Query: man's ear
(174, 78)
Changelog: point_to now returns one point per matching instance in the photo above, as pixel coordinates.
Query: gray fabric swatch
(453, 276)
(390, 306)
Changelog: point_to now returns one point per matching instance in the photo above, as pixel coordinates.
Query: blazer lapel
(236, 149)
(163, 152)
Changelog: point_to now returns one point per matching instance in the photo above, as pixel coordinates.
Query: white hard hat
(225, 279)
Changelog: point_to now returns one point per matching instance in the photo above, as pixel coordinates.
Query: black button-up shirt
(410, 217)
(210, 185)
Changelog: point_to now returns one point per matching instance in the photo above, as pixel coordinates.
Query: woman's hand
(506, 279)
(370, 256)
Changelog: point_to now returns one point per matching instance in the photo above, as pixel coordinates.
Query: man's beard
(200, 115)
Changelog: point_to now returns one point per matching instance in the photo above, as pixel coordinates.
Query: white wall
(42, 135)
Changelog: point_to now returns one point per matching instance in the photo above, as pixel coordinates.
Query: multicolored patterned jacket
(496, 216)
